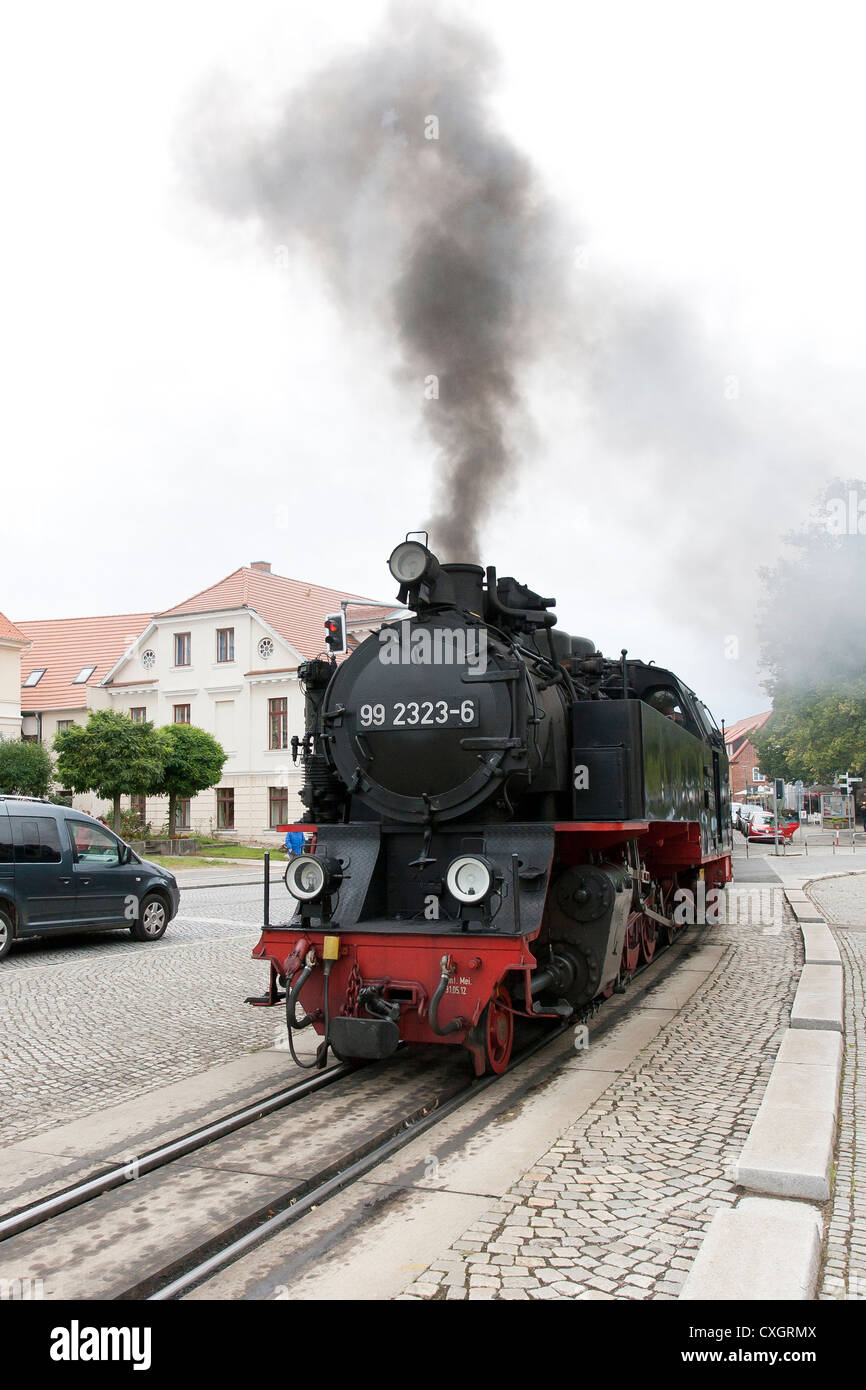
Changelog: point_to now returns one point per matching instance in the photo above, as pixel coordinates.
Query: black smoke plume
(388, 168)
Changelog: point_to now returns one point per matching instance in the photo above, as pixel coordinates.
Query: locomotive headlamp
(411, 562)
(308, 878)
(469, 879)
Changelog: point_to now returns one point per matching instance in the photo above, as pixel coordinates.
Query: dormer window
(35, 676)
(84, 675)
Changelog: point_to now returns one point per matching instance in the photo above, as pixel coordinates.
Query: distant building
(12, 643)
(746, 776)
(225, 660)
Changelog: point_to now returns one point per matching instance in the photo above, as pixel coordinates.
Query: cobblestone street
(91, 1021)
(843, 902)
(618, 1207)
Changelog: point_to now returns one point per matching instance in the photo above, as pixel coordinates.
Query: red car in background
(762, 827)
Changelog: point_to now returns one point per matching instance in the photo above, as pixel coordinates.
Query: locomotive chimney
(461, 585)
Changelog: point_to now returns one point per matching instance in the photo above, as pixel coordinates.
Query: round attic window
(266, 649)
(148, 659)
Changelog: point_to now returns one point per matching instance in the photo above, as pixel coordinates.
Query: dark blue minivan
(63, 871)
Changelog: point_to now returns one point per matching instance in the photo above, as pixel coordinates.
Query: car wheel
(152, 919)
(6, 933)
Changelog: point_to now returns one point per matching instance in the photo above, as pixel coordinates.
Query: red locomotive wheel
(649, 935)
(631, 948)
(497, 1024)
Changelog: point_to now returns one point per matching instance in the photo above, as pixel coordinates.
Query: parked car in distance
(763, 827)
(62, 871)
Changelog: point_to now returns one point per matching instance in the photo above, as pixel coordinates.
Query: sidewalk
(841, 898)
(236, 873)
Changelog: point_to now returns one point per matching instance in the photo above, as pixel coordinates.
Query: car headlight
(469, 879)
(308, 878)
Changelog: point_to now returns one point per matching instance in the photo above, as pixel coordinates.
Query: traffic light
(335, 633)
(780, 788)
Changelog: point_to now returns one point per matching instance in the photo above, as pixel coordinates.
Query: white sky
(174, 406)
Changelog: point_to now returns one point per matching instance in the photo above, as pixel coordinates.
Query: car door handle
(85, 881)
(65, 881)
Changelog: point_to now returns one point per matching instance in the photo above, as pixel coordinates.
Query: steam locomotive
(504, 822)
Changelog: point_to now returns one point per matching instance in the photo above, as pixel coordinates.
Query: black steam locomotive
(503, 818)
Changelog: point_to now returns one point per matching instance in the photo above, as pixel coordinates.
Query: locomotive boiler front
(436, 714)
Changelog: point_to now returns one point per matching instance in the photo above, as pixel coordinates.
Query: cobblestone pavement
(843, 900)
(90, 1021)
(619, 1206)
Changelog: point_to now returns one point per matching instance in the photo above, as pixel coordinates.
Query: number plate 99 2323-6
(419, 714)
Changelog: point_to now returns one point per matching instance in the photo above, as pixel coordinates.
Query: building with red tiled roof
(293, 608)
(67, 660)
(225, 659)
(745, 772)
(12, 643)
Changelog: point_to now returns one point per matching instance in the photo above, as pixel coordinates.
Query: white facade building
(225, 660)
(12, 643)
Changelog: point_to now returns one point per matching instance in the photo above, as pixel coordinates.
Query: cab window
(92, 844)
(35, 839)
(667, 701)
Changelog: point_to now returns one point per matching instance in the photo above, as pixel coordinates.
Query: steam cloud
(450, 247)
(448, 242)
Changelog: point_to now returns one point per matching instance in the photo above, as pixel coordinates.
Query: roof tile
(292, 607)
(64, 645)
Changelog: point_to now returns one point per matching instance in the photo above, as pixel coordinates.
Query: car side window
(35, 840)
(5, 840)
(92, 844)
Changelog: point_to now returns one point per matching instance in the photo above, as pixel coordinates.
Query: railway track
(167, 1270)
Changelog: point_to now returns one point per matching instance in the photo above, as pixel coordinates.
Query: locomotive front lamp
(411, 562)
(469, 879)
(308, 879)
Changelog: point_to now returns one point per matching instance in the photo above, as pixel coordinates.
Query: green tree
(25, 768)
(814, 734)
(812, 624)
(110, 756)
(193, 761)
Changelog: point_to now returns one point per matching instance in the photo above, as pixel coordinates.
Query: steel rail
(105, 1180)
(398, 1137)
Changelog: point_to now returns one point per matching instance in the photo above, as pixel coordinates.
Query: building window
(138, 714)
(182, 648)
(181, 714)
(181, 814)
(279, 799)
(225, 808)
(225, 644)
(84, 675)
(278, 723)
(64, 724)
(757, 775)
(35, 676)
